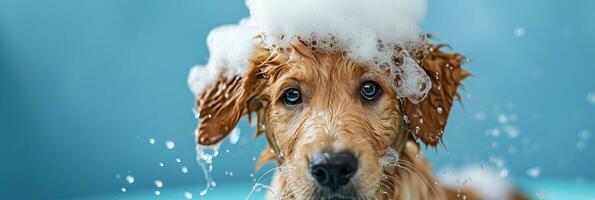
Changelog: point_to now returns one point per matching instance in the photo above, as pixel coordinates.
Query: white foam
(367, 31)
(486, 183)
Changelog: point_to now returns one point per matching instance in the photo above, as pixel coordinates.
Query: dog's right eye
(370, 90)
(292, 96)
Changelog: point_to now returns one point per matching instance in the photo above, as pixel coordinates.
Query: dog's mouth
(347, 193)
(339, 197)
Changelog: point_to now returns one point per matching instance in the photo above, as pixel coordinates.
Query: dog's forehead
(325, 67)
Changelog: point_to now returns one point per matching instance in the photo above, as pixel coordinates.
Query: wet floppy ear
(223, 104)
(427, 119)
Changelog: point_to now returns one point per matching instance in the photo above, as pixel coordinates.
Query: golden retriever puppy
(334, 126)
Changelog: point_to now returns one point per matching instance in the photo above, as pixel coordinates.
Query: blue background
(84, 85)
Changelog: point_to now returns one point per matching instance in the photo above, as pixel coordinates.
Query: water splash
(184, 169)
(151, 140)
(258, 187)
(204, 158)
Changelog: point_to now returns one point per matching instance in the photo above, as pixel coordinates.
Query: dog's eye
(370, 90)
(292, 96)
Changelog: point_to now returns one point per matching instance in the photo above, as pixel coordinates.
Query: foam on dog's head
(371, 32)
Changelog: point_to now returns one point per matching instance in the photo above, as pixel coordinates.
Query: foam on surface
(484, 182)
(371, 32)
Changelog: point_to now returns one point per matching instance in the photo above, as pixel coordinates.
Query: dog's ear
(223, 104)
(427, 119)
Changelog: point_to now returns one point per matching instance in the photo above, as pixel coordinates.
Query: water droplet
(123, 189)
(480, 116)
(196, 112)
(151, 141)
(495, 132)
(534, 172)
(158, 183)
(581, 145)
(439, 109)
(184, 169)
(591, 97)
(511, 131)
(187, 195)
(503, 173)
(502, 119)
(519, 32)
(130, 179)
(157, 193)
(178, 160)
(161, 164)
(253, 158)
(234, 136)
(584, 135)
(170, 144)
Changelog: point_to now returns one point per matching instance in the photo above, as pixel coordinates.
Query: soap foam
(371, 32)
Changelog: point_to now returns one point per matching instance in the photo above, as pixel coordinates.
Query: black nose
(333, 170)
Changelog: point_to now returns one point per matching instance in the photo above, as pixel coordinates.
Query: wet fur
(333, 116)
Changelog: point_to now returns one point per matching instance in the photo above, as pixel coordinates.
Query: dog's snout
(333, 170)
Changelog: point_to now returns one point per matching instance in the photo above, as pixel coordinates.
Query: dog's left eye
(292, 96)
(370, 90)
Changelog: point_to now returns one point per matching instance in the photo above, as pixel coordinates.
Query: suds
(390, 158)
(378, 33)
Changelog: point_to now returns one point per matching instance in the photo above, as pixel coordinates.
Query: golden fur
(333, 115)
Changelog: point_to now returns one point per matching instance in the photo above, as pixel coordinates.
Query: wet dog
(335, 127)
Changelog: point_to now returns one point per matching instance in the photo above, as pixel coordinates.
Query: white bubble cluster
(372, 32)
(390, 158)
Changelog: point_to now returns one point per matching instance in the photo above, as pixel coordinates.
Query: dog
(334, 126)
